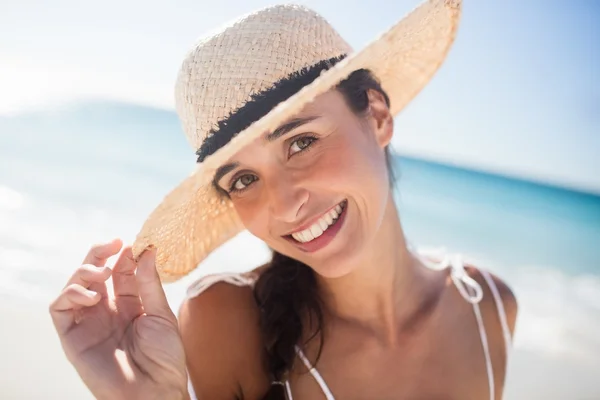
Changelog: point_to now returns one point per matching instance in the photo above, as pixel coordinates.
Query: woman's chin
(336, 264)
(329, 272)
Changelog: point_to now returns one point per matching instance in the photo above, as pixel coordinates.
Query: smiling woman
(328, 152)
(296, 151)
(342, 126)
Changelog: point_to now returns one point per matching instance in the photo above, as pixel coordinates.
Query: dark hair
(286, 292)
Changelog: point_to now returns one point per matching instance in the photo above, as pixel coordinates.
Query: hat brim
(194, 219)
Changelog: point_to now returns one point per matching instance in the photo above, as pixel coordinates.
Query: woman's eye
(242, 182)
(300, 144)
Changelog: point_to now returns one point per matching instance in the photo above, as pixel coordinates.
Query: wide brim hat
(232, 69)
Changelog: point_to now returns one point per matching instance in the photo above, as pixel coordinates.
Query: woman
(345, 309)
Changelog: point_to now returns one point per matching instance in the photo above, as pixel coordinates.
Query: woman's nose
(286, 199)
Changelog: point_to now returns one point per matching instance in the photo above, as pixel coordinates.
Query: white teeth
(323, 224)
(317, 229)
(307, 236)
(299, 236)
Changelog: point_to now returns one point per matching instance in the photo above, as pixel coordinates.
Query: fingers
(96, 257)
(91, 277)
(86, 286)
(99, 253)
(127, 296)
(124, 281)
(151, 290)
(73, 297)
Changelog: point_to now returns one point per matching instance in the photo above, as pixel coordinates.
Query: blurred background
(498, 158)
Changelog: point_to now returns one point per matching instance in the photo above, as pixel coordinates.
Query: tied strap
(462, 280)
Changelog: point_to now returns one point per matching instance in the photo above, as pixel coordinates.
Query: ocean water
(87, 172)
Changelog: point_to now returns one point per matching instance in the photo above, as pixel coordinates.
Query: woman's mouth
(320, 233)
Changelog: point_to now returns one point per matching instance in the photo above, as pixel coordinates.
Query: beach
(542, 240)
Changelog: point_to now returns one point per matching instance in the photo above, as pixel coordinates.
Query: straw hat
(249, 60)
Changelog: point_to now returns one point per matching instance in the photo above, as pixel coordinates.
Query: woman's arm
(223, 346)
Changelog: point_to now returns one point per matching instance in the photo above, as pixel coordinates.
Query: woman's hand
(124, 347)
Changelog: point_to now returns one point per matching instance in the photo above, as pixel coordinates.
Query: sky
(518, 94)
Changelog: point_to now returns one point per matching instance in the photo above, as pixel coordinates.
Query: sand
(33, 366)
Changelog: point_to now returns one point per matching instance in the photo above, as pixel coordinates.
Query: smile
(322, 231)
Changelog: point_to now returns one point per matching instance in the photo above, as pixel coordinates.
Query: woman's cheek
(248, 209)
(328, 158)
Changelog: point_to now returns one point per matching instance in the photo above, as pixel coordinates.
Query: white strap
(459, 276)
(465, 285)
(463, 281)
(486, 350)
(202, 284)
(313, 371)
(288, 391)
(472, 292)
(501, 311)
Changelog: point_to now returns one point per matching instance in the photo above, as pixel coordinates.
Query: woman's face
(316, 188)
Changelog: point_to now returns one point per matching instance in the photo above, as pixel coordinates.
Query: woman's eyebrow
(224, 170)
(289, 126)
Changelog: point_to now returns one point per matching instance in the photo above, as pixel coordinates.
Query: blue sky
(519, 93)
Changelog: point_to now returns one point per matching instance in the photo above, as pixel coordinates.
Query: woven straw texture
(222, 71)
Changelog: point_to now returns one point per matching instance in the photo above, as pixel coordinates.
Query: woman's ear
(381, 119)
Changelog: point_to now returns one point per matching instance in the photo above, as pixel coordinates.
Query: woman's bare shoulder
(504, 291)
(491, 312)
(220, 328)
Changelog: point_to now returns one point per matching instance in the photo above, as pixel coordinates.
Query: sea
(86, 172)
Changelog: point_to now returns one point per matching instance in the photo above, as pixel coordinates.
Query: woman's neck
(387, 289)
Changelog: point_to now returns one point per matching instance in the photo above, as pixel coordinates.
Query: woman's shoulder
(224, 297)
(220, 305)
(499, 308)
(497, 294)
(220, 327)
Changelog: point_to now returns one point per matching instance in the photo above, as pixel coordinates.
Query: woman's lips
(325, 238)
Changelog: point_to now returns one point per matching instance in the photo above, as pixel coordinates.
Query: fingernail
(90, 294)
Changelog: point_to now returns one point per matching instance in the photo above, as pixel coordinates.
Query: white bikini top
(469, 289)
